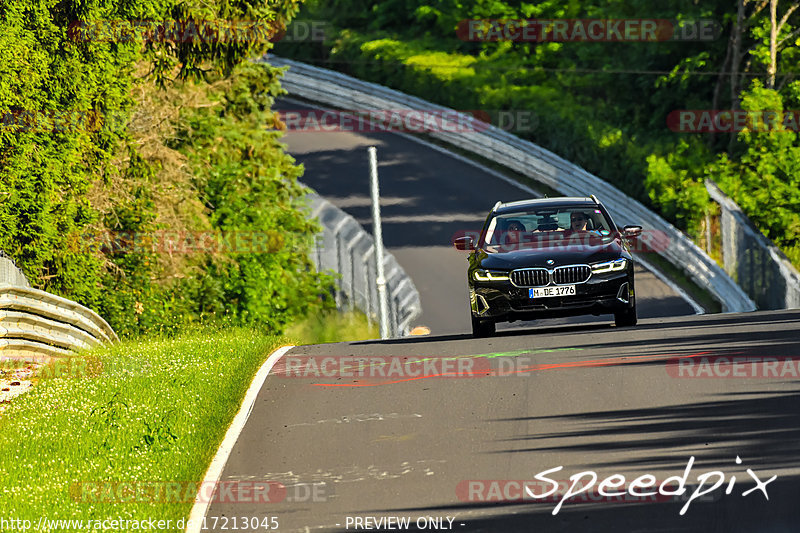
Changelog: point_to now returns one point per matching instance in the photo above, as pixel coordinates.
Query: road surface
(587, 397)
(426, 198)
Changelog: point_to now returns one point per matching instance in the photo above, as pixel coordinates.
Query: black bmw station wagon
(547, 258)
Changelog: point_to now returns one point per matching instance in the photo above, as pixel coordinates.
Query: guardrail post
(392, 318)
(337, 243)
(352, 246)
(351, 250)
(367, 284)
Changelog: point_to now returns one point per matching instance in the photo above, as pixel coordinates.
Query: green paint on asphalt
(492, 355)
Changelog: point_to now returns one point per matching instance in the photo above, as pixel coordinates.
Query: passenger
(513, 237)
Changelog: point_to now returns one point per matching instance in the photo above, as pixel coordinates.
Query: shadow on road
(761, 426)
(766, 425)
(532, 330)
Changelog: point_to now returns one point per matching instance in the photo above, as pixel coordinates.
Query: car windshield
(577, 225)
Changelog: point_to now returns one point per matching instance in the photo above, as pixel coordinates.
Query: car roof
(514, 207)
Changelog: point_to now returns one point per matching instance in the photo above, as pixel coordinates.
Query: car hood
(499, 258)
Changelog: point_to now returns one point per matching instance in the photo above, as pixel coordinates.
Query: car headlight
(610, 266)
(489, 275)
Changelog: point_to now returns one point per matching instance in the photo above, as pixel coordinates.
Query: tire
(482, 328)
(626, 318)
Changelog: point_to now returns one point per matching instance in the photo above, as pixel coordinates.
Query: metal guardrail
(344, 247)
(760, 268)
(37, 325)
(9, 273)
(344, 92)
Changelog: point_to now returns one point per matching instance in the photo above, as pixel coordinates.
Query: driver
(578, 233)
(577, 221)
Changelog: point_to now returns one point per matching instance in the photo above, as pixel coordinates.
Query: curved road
(447, 429)
(426, 198)
(586, 397)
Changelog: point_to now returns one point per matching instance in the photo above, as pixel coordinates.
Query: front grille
(530, 277)
(569, 275)
(540, 277)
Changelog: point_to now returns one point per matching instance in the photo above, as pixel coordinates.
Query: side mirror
(464, 243)
(632, 231)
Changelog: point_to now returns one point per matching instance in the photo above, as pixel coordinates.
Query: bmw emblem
(550, 262)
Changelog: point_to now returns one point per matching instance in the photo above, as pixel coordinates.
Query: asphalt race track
(447, 431)
(426, 198)
(587, 397)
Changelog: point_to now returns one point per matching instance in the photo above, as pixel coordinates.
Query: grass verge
(332, 326)
(155, 412)
(703, 297)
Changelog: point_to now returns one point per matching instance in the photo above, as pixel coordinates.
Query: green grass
(703, 297)
(156, 411)
(333, 327)
(143, 411)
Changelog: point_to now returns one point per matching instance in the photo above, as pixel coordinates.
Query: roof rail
(593, 197)
(498, 204)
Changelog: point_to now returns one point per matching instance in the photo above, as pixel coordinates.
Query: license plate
(547, 292)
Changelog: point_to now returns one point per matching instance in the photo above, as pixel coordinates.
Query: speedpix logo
(586, 487)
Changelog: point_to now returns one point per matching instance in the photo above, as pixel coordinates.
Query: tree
(69, 172)
(765, 180)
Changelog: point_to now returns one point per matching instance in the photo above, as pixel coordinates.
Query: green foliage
(70, 169)
(333, 326)
(240, 169)
(608, 118)
(46, 170)
(765, 180)
(602, 105)
(681, 196)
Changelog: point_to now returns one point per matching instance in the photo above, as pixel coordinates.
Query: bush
(62, 186)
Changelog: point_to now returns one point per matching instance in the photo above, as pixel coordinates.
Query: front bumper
(501, 301)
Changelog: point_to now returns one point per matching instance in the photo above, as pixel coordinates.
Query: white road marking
(357, 418)
(214, 472)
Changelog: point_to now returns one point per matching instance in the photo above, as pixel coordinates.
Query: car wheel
(626, 317)
(482, 328)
